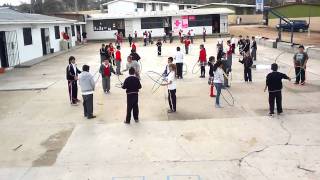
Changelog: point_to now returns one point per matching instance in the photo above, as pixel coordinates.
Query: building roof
(228, 4)
(185, 12)
(146, 1)
(9, 16)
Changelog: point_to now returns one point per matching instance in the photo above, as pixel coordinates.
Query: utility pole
(76, 6)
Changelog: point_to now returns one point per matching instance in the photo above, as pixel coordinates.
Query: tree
(50, 6)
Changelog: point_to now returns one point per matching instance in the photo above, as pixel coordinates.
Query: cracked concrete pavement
(241, 142)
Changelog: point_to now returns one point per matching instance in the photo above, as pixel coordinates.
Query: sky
(14, 2)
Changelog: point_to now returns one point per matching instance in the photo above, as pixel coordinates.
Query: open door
(3, 50)
(45, 40)
(215, 23)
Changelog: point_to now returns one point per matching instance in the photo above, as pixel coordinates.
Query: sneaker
(91, 117)
(303, 83)
(279, 113)
(296, 83)
(218, 106)
(136, 120)
(171, 111)
(126, 122)
(271, 114)
(74, 104)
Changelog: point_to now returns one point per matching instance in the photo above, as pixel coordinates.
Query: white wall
(34, 50)
(121, 7)
(224, 27)
(98, 35)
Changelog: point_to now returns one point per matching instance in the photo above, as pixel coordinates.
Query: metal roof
(185, 12)
(228, 4)
(146, 1)
(9, 16)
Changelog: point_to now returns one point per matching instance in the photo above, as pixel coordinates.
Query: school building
(128, 16)
(24, 37)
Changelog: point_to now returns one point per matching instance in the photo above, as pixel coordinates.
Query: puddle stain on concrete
(54, 145)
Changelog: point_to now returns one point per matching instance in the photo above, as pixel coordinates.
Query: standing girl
(171, 84)
(203, 60)
(218, 81)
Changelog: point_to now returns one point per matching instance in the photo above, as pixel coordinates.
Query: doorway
(3, 50)
(215, 23)
(45, 40)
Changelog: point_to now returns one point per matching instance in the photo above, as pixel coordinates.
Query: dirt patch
(272, 33)
(54, 145)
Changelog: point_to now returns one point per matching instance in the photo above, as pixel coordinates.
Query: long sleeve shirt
(274, 81)
(132, 85)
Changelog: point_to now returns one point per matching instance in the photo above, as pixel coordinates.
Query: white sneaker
(218, 106)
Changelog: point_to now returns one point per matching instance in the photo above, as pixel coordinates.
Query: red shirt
(133, 46)
(107, 70)
(187, 42)
(229, 52)
(111, 49)
(118, 55)
(203, 55)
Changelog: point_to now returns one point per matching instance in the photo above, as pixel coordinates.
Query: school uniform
(218, 80)
(135, 56)
(187, 43)
(136, 66)
(87, 86)
(132, 86)
(220, 52)
(118, 62)
(204, 34)
(254, 50)
(233, 45)
(172, 99)
(166, 71)
(71, 73)
(247, 45)
(299, 61)
(274, 84)
(247, 64)
(241, 44)
(130, 40)
(203, 61)
(133, 46)
(159, 45)
(179, 63)
(105, 71)
(103, 54)
(111, 52)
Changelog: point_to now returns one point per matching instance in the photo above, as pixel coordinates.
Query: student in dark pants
(159, 45)
(202, 60)
(247, 64)
(103, 53)
(72, 73)
(274, 86)
(179, 63)
(300, 60)
(254, 49)
(87, 85)
(130, 39)
(132, 86)
(171, 84)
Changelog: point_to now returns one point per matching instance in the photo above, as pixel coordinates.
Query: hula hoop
(157, 83)
(140, 63)
(279, 56)
(229, 102)
(296, 75)
(119, 84)
(194, 71)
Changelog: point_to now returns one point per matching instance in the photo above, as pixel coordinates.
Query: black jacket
(101, 70)
(132, 85)
(211, 74)
(247, 62)
(254, 45)
(70, 74)
(274, 81)
(135, 56)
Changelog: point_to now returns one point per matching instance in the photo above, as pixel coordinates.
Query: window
(161, 7)
(151, 23)
(181, 7)
(27, 36)
(153, 7)
(201, 20)
(140, 5)
(57, 32)
(108, 24)
(188, 7)
(73, 31)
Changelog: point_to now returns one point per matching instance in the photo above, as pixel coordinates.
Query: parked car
(298, 26)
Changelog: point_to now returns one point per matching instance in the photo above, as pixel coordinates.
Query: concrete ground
(43, 137)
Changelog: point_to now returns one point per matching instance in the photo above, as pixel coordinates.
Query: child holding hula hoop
(300, 60)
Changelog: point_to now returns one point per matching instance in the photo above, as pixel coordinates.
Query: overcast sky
(14, 2)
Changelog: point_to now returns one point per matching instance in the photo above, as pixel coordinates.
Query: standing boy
(167, 69)
(130, 39)
(118, 61)
(274, 85)
(300, 60)
(254, 49)
(72, 73)
(159, 45)
(87, 85)
(204, 34)
(179, 63)
(247, 64)
(171, 84)
(105, 71)
(187, 43)
(132, 86)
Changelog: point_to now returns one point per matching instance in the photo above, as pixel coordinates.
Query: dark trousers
(130, 43)
(191, 38)
(187, 49)
(204, 38)
(233, 48)
(179, 69)
(88, 105)
(275, 96)
(300, 74)
(73, 91)
(247, 74)
(203, 71)
(254, 54)
(172, 98)
(132, 106)
(159, 50)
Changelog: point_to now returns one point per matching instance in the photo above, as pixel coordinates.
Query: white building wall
(224, 23)
(197, 30)
(98, 35)
(29, 52)
(121, 7)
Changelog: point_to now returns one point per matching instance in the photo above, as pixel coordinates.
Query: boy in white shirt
(171, 84)
(179, 62)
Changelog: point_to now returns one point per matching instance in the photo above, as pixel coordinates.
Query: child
(159, 45)
(300, 60)
(211, 74)
(254, 49)
(203, 60)
(118, 61)
(274, 85)
(187, 43)
(134, 55)
(247, 63)
(167, 70)
(171, 84)
(72, 73)
(133, 64)
(132, 85)
(103, 53)
(218, 81)
(87, 85)
(179, 63)
(133, 46)
(111, 51)
(105, 71)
